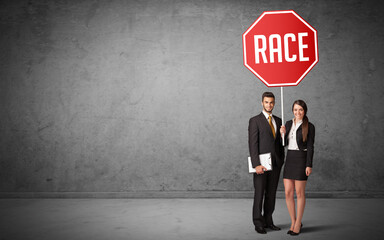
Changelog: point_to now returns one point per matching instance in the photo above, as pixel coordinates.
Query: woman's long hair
(302, 104)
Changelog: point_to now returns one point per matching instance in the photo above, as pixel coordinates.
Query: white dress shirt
(292, 145)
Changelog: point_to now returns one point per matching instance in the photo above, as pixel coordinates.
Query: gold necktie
(271, 124)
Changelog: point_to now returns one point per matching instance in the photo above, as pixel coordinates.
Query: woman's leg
(289, 186)
(300, 195)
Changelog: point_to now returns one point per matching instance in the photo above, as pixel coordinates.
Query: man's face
(268, 104)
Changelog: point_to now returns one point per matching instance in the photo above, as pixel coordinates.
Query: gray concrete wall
(130, 96)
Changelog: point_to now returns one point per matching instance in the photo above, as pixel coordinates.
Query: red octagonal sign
(280, 48)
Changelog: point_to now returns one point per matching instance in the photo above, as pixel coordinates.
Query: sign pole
(282, 111)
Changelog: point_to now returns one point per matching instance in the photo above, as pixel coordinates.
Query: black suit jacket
(309, 144)
(261, 140)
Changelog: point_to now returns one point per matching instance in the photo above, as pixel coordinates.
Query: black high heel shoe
(292, 233)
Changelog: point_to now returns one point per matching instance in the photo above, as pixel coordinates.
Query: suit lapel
(288, 126)
(299, 134)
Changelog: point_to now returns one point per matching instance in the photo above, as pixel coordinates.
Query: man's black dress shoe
(260, 230)
(273, 227)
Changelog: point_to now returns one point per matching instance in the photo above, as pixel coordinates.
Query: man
(264, 137)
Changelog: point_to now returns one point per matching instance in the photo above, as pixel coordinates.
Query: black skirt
(295, 165)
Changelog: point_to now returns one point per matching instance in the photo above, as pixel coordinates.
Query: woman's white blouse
(292, 143)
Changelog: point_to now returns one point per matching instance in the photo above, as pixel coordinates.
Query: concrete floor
(136, 219)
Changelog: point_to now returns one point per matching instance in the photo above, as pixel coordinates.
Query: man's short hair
(267, 94)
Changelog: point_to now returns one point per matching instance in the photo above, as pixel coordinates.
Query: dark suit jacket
(260, 140)
(299, 139)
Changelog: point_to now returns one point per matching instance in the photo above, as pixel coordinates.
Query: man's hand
(260, 169)
(282, 130)
(308, 171)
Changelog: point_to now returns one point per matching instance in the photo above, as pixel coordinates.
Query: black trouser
(265, 187)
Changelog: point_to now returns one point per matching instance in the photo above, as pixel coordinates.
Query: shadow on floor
(309, 228)
(319, 228)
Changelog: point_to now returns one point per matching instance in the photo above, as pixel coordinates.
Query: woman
(298, 163)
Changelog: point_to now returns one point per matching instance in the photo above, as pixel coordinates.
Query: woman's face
(298, 111)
